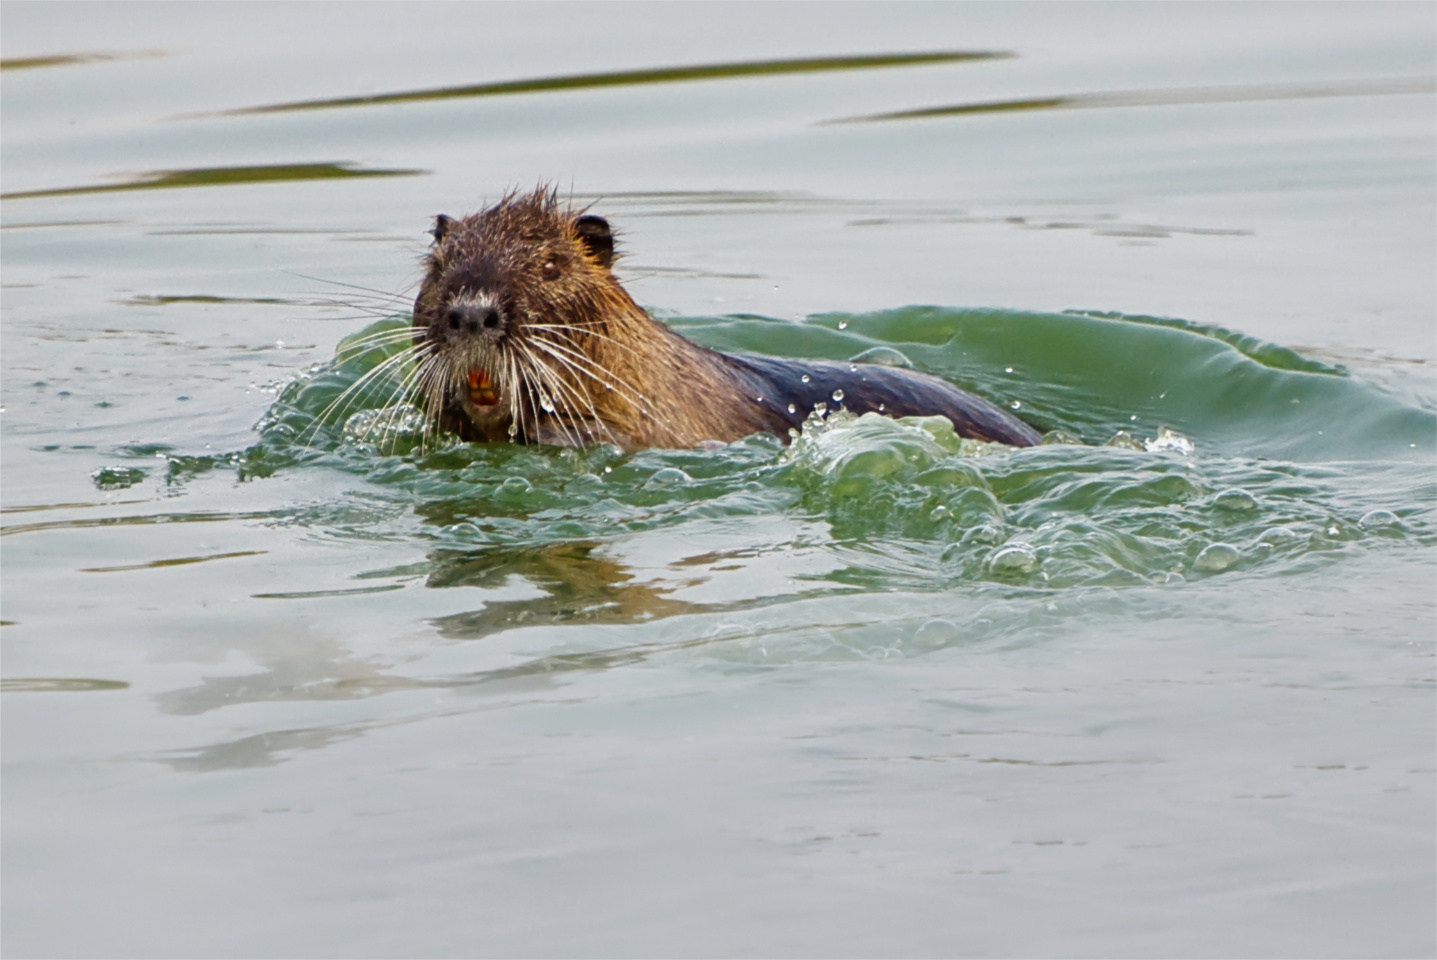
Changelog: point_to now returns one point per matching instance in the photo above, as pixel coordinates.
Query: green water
(1255, 488)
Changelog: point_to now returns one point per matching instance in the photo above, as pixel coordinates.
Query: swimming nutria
(522, 332)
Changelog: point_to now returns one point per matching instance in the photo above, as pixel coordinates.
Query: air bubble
(935, 634)
(838, 396)
(883, 357)
(804, 378)
(669, 477)
(1234, 500)
(1007, 369)
(1016, 404)
(1274, 536)
(1378, 518)
(843, 324)
(1014, 558)
(1216, 557)
(514, 487)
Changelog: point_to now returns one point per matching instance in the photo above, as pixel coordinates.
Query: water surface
(276, 685)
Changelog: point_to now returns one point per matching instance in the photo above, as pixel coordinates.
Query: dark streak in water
(75, 59)
(318, 594)
(221, 176)
(131, 521)
(60, 223)
(1163, 98)
(176, 562)
(59, 685)
(623, 78)
(31, 508)
(161, 301)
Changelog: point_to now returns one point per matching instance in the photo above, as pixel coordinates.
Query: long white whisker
(584, 397)
(370, 375)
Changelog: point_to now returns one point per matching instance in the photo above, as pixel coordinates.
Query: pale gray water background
(318, 713)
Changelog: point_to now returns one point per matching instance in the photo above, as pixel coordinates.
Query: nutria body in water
(522, 333)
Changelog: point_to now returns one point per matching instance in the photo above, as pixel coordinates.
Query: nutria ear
(442, 224)
(594, 234)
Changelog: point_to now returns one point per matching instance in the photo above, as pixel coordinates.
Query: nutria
(521, 332)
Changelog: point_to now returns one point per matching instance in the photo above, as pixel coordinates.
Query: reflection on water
(581, 587)
(260, 750)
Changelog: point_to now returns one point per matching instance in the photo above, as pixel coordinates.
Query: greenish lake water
(283, 676)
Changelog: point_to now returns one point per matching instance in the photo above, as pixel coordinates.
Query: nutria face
(511, 301)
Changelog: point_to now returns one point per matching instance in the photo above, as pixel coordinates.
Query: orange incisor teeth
(481, 393)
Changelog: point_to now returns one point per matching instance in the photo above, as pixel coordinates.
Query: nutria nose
(472, 318)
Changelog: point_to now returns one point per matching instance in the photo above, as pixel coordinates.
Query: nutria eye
(550, 270)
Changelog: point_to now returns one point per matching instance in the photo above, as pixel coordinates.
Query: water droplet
(820, 409)
(513, 430)
(804, 378)
(853, 368)
(843, 324)
(1016, 404)
(546, 403)
(1133, 417)
(1216, 557)
(608, 469)
(1007, 369)
(792, 408)
(838, 395)
(882, 407)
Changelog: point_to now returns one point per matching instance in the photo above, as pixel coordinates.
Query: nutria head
(513, 302)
